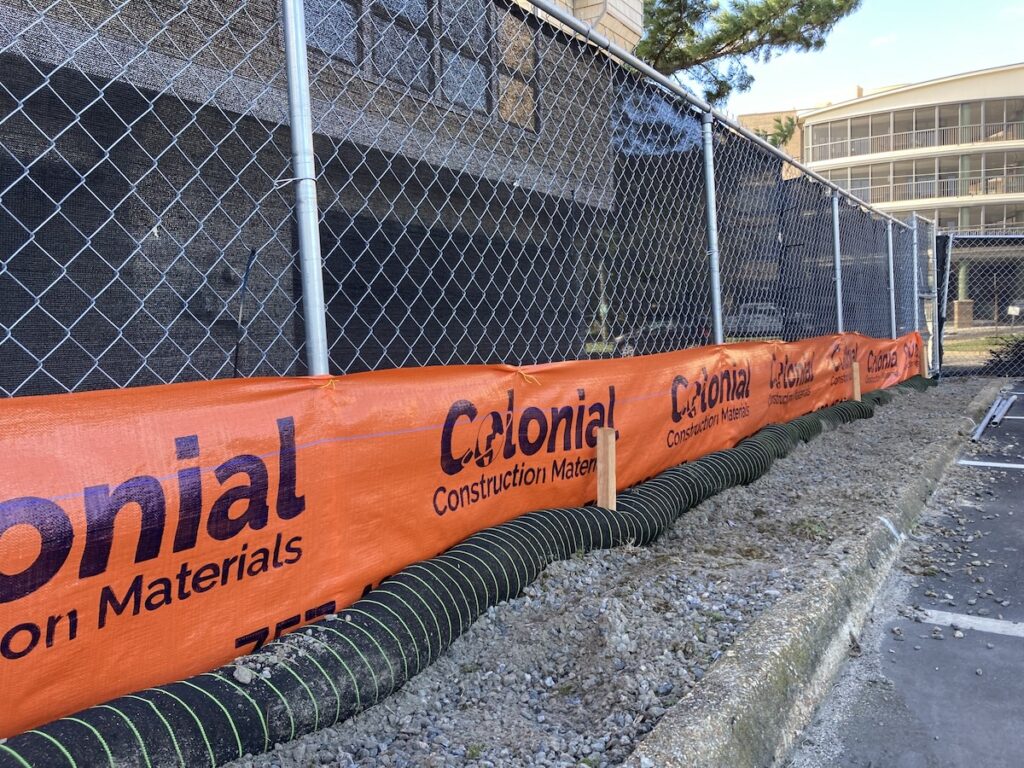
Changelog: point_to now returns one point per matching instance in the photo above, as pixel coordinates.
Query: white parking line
(977, 623)
(1016, 418)
(994, 464)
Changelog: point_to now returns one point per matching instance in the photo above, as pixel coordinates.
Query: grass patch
(975, 344)
(599, 347)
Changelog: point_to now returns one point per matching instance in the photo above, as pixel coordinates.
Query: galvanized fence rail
(212, 188)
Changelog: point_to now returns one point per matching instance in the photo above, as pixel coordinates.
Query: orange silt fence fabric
(150, 534)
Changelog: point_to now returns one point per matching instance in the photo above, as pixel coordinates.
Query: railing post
(304, 171)
(710, 207)
(892, 280)
(837, 254)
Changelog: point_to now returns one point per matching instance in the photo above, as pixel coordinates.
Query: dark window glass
(464, 81)
(948, 218)
(439, 47)
(1015, 110)
(333, 27)
(413, 10)
(401, 55)
(903, 121)
(970, 113)
(995, 163)
(993, 216)
(465, 23)
(880, 124)
(994, 111)
(516, 102)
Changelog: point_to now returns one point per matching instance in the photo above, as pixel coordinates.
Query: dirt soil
(582, 666)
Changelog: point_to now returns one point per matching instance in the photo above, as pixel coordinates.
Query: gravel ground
(580, 667)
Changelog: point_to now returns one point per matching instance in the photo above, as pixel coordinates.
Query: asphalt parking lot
(937, 680)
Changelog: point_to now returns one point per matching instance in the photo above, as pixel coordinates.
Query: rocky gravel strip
(580, 667)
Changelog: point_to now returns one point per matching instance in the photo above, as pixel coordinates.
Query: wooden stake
(606, 468)
(856, 381)
(924, 363)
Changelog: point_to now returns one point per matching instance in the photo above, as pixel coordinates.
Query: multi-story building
(951, 149)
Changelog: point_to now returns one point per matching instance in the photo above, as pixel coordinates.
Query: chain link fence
(145, 214)
(983, 330)
(490, 186)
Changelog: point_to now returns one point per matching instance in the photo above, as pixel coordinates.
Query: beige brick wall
(621, 21)
(765, 121)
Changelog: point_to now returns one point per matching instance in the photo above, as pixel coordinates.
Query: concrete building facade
(465, 161)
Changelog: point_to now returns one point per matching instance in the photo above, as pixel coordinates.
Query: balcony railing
(929, 137)
(921, 189)
(980, 229)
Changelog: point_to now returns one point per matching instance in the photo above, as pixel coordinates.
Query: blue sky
(886, 42)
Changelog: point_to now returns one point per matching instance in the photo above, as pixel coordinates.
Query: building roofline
(804, 114)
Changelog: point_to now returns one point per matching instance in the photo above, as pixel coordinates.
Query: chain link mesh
(903, 273)
(984, 327)
(865, 263)
(146, 226)
(491, 188)
(544, 204)
(775, 234)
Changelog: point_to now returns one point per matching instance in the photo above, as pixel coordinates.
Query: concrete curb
(748, 709)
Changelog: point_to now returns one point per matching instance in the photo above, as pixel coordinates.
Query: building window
(948, 218)
(1015, 113)
(970, 218)
(441, 48)
(333, 29)
(517, 92)
(1014, 216)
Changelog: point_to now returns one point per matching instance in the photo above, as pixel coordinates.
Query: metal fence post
(892, 279)
(839, 262)
(935, 302)
(710, 206)
(917, 269)
(304, 170)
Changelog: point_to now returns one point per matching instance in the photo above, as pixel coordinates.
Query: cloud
(882, 40)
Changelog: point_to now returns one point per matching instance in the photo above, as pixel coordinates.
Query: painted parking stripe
(994, 464)
(977, 623)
